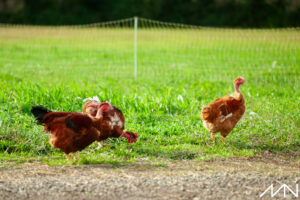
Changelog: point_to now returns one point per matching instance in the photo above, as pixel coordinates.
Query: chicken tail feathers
(39, 112)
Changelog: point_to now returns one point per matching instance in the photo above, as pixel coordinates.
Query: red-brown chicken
(72, 132)
(113, 122)
(223, 113)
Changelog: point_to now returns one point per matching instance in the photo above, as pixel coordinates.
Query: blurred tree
(233, 13)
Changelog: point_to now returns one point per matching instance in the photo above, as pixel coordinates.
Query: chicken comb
(238, 79)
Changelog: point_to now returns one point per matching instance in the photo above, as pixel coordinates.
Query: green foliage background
(230, 13)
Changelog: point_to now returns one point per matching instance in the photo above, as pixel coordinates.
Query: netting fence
(148, 49)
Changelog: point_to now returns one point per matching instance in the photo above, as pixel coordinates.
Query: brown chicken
(113, 122)
(71, 131)
(223, 113)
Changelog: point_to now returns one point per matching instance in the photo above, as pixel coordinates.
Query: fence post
(135, 45)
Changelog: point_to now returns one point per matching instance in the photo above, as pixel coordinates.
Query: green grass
(179, 72)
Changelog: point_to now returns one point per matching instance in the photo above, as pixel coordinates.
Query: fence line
(145, 48)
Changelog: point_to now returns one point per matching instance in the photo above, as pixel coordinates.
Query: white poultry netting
(148, 49)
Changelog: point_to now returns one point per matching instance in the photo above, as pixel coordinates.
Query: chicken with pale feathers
(223, 113)
(113, 122)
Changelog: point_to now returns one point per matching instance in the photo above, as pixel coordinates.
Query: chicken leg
(223, 139)
(75, 156)
(223, 135)
(68, 157)
(100, 145)
(213, 137)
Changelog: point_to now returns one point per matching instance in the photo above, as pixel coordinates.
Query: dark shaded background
(229, 13)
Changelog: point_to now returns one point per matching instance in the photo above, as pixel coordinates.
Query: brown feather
(112, 123)
(223, 113)
(70, 132)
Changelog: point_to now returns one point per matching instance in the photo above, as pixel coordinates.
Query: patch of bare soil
(234, 178)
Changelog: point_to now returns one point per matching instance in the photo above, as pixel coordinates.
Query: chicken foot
(223, 139)
(75, 156)
(223, 135)
(68, 157)
(100, 145)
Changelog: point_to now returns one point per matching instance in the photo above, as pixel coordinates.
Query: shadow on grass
(170, 154)
(91, 161)
(261, 147)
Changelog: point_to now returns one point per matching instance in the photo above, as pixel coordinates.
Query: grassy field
(179, 71)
